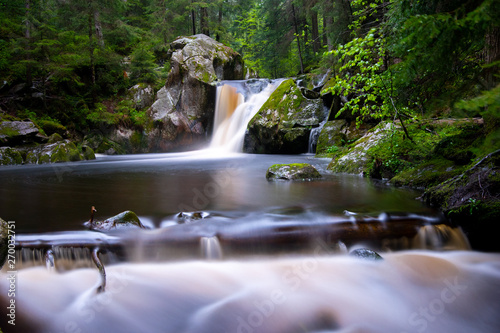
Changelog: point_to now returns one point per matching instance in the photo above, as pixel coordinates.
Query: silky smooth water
(158, 186)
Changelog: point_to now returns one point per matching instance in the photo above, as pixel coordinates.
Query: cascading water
(236, 103)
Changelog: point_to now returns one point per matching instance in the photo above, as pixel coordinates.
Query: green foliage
(142, 66)
(361, 79)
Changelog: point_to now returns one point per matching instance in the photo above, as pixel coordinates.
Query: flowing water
(228, 251)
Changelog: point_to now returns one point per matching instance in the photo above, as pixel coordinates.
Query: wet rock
(56, 137)
(184, 107)
(124, 220)
(10, 156)
(367, 254)
(14, 133)
(142, 95)
(294, 171)
(471, 201)
(186, 217)
(61, 151)
(284, 122)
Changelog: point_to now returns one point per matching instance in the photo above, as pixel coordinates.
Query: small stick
(92, 211)
(97, 261)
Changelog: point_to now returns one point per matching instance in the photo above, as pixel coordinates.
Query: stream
(260, 256)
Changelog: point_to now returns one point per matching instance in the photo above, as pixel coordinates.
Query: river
(261, 256)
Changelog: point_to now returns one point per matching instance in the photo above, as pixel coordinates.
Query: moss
(292, 171)
(50, 127)
(88, 153)
(10, 156)
(426, 174)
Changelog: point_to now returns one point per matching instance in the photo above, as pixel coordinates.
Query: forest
(60, 59)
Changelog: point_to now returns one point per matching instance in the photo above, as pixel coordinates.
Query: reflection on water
(155, 186)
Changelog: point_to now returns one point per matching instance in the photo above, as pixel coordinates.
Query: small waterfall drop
(236, 104)
(211, 248)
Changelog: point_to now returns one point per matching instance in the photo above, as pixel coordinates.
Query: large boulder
(284, 122)
(184, 108)
(10, 156)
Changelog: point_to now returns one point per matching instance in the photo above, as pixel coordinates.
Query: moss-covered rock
(10, 156)
(356, 160)
(471, 201)
(124, 220)
(51, 127)
(60, 151)
(294, 171)
(142, 95)
(184, 107)
(56, 137)
(284, 122)
(13, 133)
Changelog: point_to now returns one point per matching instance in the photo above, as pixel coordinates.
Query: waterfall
(236, 104)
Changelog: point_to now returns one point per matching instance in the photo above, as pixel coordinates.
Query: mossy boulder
(294, 171)
(10, 156)
(283, 124)
(184, 108)
(61, 151)
(124, 220)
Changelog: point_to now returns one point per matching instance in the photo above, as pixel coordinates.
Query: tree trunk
(315, 31)
(29, 78)
(219, 28)
(91, 53)
(328, 24)
(98, 28)
(204, 21)
(298, 39)
(491, 54)
(193, 19)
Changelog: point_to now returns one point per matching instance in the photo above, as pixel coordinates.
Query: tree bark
(315, 31)
(98, 28)
(491, 54)
(29, 78)
(298, 39)
(204, 21)
(193, 19)
(327, 24)
(219, 28)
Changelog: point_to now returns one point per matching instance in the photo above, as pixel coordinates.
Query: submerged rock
(124, 220)
(294, 171)
(184, 107)
(283, 124)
